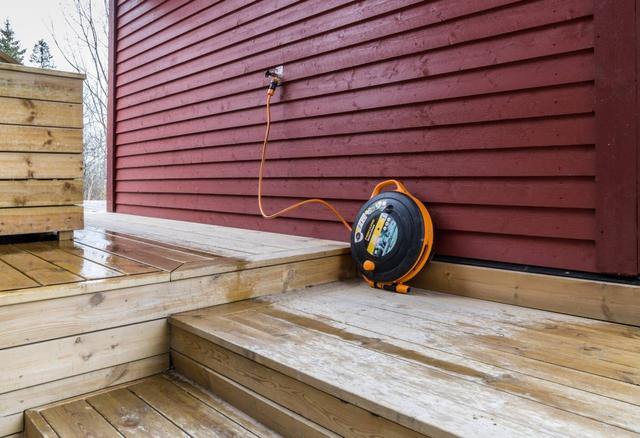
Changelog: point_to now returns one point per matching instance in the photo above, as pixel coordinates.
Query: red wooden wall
(499, 114)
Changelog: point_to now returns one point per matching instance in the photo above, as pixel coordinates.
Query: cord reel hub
(392, 237)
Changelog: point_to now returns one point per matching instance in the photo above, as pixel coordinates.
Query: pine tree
(9, 44)
(41, 55)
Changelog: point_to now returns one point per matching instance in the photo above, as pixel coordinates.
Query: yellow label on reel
(376, 233)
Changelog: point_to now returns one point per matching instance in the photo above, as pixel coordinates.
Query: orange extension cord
(298, 204)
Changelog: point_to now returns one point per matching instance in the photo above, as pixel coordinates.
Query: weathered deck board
(40, 270)
(118, 263)
(432, 362)
(230, 411)
(40, 219)
(607, 301)
(159, 406)
(35, 193)
(13, 278)
(19, 165)
(125, 251)
(96, 306)
(159, 257)
(133, 417)
(77, 419)
(195, 417)
(76, 265)
(226, 241)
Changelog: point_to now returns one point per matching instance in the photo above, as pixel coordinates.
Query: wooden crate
(41, 144)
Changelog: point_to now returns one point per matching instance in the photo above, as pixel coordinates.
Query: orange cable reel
(392, 237)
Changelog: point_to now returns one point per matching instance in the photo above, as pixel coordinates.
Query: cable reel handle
(390, 182)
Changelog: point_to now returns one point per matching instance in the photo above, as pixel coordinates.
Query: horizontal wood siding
(484, 109)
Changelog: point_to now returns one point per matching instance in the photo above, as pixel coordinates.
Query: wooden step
(364, 362)
(165, 405)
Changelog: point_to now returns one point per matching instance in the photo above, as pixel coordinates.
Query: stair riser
(272, 415)
(193, 355)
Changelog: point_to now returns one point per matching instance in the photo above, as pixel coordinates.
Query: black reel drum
(392, 237)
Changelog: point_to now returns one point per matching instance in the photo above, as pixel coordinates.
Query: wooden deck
(116, 251)
(425, 363)
(96, 307)
(160, 406)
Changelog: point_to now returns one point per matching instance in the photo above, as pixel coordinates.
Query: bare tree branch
(86, 51)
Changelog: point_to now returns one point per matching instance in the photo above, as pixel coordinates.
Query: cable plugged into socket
(276, 77)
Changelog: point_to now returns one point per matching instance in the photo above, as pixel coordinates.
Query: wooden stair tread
(433, 363)
(161, 406)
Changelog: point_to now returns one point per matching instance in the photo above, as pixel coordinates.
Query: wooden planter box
(41, 167)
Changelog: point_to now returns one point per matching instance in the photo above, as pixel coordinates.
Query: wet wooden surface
(92, 255)
(160, 406)
(116, 250)
(436, 363)
(96, 306)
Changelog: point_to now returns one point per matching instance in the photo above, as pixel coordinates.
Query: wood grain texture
(18, 111)
(129, 305)
(79, 419)
(195, 417)
(217, 369)
(131, 416)
(592, 299)
(13, 279)
(29, 85)
(272, 414)
(142, 409)
(115, 262)
(35, 426)
(82, 353)
(34, 193)
(11, 424)
(77, 265)
(232, 411)
(387, 97)
(40, 166)
(42, 271)
(453, 339)
(40, 219)
(16, 138)
(18, 401)
(44, 72)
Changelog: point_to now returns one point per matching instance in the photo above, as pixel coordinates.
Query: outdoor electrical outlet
(279, 70)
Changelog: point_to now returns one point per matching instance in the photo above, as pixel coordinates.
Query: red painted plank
(551, 71)
(577, 192)
(154, 42)
(263, 20)
(530, 15)
(135, 9)
(537, 43)
(484, 108)
(555, 253)
(553, 161)
(617, 136)
(558, 223)
(400, 106)
(638, 116)
(305, 76)
(149, 21)
(310, 39)
(577, 255)
(543, 42)
(111, 106)
(127, 6)
(578, 130)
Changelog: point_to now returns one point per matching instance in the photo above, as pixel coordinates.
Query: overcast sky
(32, 20)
